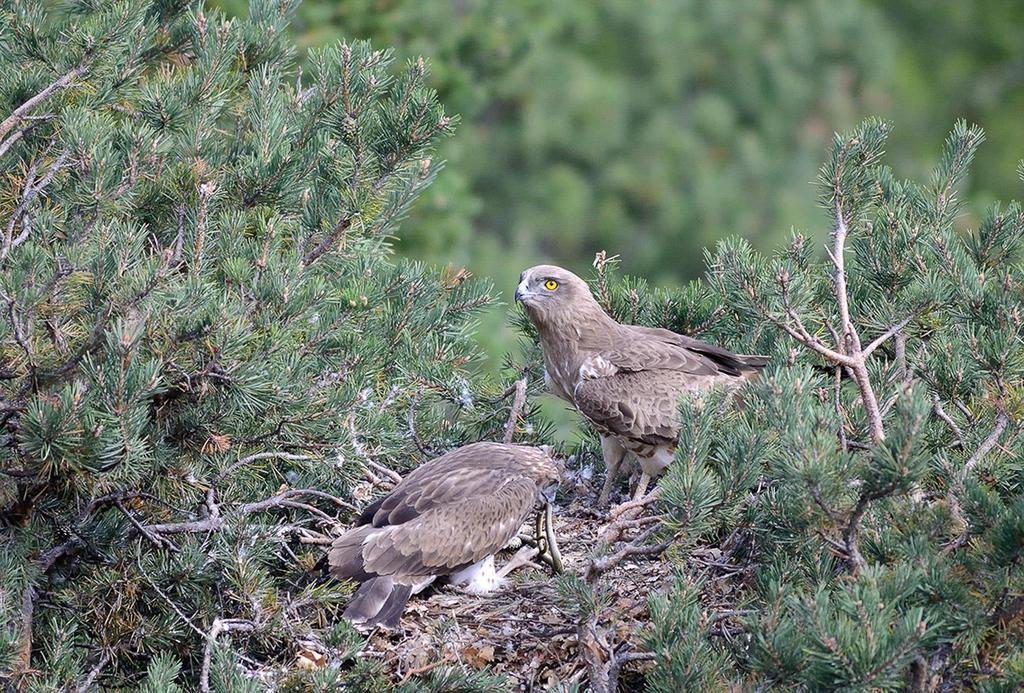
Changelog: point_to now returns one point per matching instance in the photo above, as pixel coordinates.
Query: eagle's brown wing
(632, 389)
(638, 406)
(447, 479)
(450, 537)
(644, 354)
(726, 361)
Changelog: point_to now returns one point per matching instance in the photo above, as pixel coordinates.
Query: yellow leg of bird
(523, 557)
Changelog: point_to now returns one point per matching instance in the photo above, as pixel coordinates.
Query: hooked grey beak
(519, 294)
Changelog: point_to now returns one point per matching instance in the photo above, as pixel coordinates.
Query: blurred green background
(652, 128)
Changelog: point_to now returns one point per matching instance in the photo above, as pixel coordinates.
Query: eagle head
(547, 287)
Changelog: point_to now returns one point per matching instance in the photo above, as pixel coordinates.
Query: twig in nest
(637, 547)
(258, 456)
(618, 510)
(287, 499)
(375, 480)
(423, 669)
(390, 473)
(623, 516)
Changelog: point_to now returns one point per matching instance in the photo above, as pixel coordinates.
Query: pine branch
(206, 190)
(228, 625)
(794, 327)
(29, 193)
(64, 81)
(328, 241)
(851, 533)
(249, 459)
(155, 539)
(889, 333)
(411, 423)
(390, 473)
(45, 564)
(286, 500)
(24, 130)
(1002, 420)
(851, 344)
(941, 413)
(94, 673)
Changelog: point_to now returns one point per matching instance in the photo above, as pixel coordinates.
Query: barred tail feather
(378, 601)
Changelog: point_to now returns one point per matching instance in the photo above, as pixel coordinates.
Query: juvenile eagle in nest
(447, 517)
(626, 379)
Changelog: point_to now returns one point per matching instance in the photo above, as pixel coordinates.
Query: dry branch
(20, 113)
(516, 411)
(219, 626)
(1002, 421)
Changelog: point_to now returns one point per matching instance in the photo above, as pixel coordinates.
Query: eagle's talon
(523, 557)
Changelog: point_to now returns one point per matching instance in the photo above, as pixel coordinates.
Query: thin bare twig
(424, 669)
(328, 241)
(882, 338)
(851, 339)
(275, 454)
(206, 190)
(22, 131)
(839, 408)
(411, 421)
(516, 411)
(619, 510)
(29, 193)
(286, 500)
(947, 419)
(226, 625)
(1002, 420)
(87, 684)
(389, 473)
(155, 539)
(637, 547)
(170, 602)
(21, 111)
(820, 502)
(44, 565)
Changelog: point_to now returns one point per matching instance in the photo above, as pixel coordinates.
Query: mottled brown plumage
(448, 517)
(626, 379)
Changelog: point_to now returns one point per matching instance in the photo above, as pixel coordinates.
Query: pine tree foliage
(857, 524)
(208, 355)
(209, 359)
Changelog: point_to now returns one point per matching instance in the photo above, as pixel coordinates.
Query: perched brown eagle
(626, 379)
(448, 517)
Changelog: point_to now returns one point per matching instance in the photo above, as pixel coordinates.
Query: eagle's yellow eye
(550, 285)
